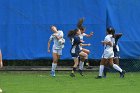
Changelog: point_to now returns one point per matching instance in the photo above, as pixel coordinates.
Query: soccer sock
(54, 66)
(73, 70)
(105, 71)
(81, 65)
(87, 64)
(117, 67)
(86, 61)
(101, 70)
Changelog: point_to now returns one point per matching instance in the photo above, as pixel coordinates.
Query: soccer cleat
(98, 77)
(72, 75)
(104, 76)
(80, 72)
(52, 73)
(122, 74)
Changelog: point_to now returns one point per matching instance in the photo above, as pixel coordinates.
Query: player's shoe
(80, 72)
(72, 75)
(122, 74)
(98, 77)
(52, 73)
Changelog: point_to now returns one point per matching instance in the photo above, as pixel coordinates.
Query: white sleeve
(107, 39)
(84, 34)
(51, 38)
(61, 33)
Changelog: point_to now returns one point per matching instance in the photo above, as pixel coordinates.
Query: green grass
(41, 82)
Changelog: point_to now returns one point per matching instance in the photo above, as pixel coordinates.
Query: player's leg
(106, 69)
(115, 66)
(76, 60)
(101, 68)
(86, 60)
(83, 56)
(1, 63)
(116, 61)
(85, 50)
(54, 63)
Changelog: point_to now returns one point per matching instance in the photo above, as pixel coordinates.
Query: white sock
(87, 57)
(54, 66)
(101, 70)
(117, 67)
(81, 65)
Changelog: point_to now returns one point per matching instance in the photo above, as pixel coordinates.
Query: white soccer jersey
(56, 44)
(107, 48)
(82, 36)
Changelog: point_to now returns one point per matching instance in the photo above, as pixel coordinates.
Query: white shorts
(58, 51)
(108, 55)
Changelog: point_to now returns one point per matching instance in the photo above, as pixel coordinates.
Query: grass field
(41, 82)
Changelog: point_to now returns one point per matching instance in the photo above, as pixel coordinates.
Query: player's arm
(89, 35)
(107, 43)
(119, 35)
(58, 37)
(49, 46)
(84, 44)
(78, 41)
(49, 42)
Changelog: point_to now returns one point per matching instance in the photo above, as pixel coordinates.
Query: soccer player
(115, 50)
(57, 36)
(82, 29)
(75, 49)
(1, 63)
(108, 54)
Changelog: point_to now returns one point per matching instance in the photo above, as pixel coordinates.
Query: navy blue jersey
(117, 37)
(75, 41)
(75, 49)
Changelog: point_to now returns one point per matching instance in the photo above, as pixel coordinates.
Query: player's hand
(82, 41)
(49, 51)
(88, 44)
(103, 42)
(91, 33)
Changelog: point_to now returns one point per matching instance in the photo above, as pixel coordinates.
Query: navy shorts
(116, 54)
(76, 54)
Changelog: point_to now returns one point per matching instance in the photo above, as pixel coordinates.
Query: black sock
(105, 71)
(73, 70)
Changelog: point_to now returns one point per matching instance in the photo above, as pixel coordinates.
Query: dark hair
(82, 28)
(110, 30)
(72, 33)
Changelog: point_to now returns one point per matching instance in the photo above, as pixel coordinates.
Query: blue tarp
(25, 25)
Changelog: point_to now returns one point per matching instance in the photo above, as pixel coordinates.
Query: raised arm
(119, 35)
(84, 44)
(89, 35)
